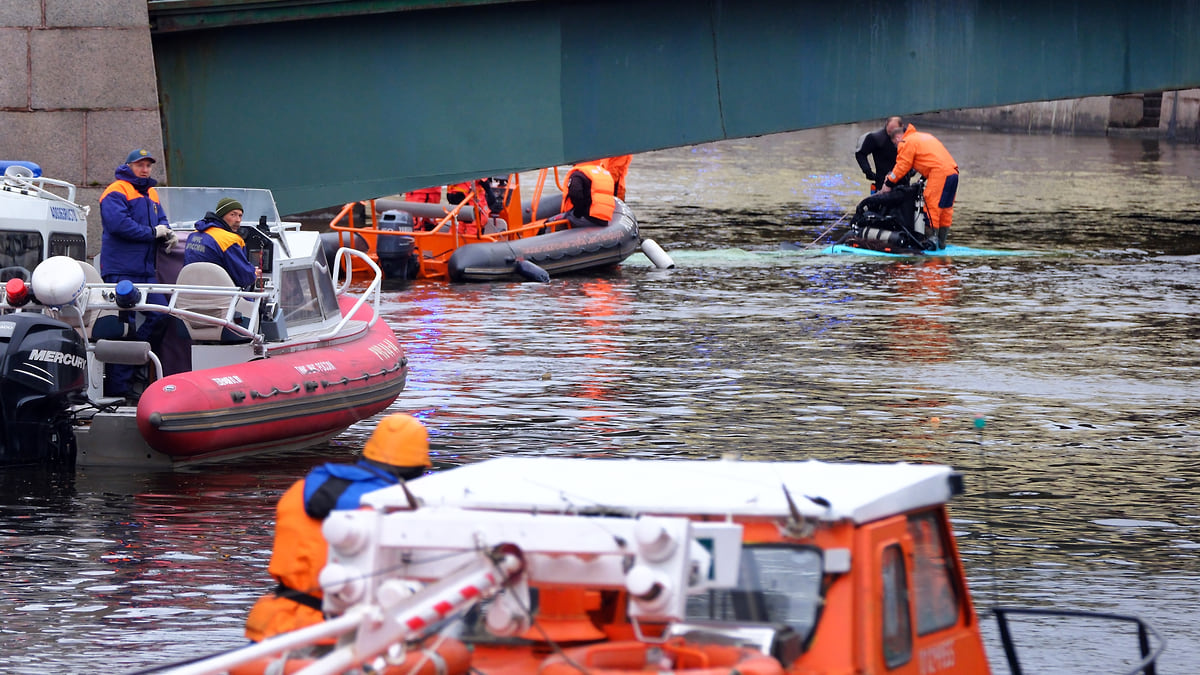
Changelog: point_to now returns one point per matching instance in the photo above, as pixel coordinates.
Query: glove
(162, 232)
(169, 243)
(870, 176)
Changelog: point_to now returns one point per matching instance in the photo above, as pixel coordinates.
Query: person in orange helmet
(921, 151)
(398, 450)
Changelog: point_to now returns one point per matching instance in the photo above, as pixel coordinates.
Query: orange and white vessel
(287, 364)
(610, 567)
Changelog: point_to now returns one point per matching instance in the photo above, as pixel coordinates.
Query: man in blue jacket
(216, 241)
(134, 226)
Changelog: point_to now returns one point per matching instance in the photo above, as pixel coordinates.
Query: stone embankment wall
(1171, 115)
(78, 91)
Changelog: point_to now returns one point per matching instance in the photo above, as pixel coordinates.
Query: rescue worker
(926, 154)
(216, 241)
(133, 225)
(457, 193)
(397, 451)
(879, 147)
(589, 199)
(618, 166)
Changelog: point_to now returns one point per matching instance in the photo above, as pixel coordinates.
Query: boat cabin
(825, 567)
(38, 219)
(291, 260)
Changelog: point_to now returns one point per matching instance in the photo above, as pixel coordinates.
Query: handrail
(372, 289)
(108, 302)
(1145, 666)
(14, 178)
(537, 194)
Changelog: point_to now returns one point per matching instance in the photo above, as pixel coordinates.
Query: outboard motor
(43, 363)
(395, 252)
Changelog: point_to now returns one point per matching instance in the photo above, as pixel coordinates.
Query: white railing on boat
(102, 300)
(372, 291)
(21, 180)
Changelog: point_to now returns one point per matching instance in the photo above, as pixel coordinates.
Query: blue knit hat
(140, 153)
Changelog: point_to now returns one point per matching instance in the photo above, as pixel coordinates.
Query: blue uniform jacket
(129, 212)
(211, 242)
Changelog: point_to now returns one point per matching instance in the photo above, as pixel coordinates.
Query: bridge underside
(337, 108)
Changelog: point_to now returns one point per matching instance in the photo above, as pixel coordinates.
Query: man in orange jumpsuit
(398, 450)
(618, 166)
(921, 151)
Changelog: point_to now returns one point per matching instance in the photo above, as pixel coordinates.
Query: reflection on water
(1080, 358)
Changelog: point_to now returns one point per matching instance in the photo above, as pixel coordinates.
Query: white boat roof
(854, 491)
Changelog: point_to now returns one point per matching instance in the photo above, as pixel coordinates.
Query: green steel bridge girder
(328, 102)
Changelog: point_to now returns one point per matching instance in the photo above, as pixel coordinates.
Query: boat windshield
(776, 584)
(186, 205)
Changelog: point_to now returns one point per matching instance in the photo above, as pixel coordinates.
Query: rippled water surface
(1079, 356)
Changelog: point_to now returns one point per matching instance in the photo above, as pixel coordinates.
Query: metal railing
(1144, 630)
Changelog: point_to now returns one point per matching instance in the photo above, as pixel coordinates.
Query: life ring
(635, 658)
(450, 658)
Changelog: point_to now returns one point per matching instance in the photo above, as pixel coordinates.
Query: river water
(1077, 359)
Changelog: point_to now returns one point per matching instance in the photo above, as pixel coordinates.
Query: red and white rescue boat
(288, 364)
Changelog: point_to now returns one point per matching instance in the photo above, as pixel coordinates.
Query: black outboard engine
(43, 363)
(394, 251)
(893, 221)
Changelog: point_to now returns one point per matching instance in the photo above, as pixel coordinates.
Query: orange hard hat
(399, 440)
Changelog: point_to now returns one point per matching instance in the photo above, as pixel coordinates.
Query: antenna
(980, 423)
(797, 526)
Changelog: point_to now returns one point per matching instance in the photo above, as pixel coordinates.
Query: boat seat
(216, 306)
(94, 324)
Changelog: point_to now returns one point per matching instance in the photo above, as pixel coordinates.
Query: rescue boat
(515, 240)
(288, 364)
(564, 566)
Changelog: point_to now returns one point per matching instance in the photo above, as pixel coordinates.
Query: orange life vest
(603, 201)
(429, 195)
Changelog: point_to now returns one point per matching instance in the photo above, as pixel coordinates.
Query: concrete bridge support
(79, 91)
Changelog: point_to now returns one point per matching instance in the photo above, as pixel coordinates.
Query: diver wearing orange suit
(618, 166)
(589, 199)
(921, 151)
(398, 450)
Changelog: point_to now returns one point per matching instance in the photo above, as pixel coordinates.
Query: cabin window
(70, 245)
(20, 252)
(776, 584)
(897, 627)
(934, 590)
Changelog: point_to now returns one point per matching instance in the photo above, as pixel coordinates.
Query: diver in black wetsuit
(879, 146)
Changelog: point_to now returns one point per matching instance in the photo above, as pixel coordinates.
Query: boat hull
(286, 400)
(575, 250)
